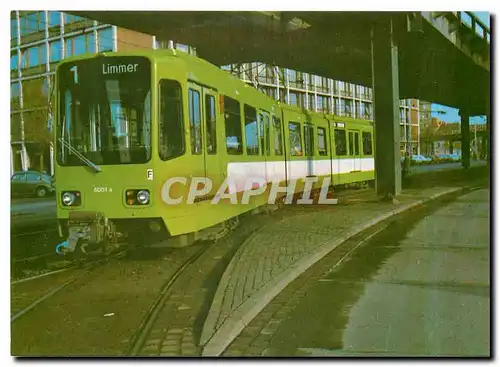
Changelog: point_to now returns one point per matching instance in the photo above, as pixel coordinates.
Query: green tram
(128, 122)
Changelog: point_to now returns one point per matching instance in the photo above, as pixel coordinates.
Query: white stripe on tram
(274, 171)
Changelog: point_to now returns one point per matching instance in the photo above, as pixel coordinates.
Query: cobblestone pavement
(177, 329)
(283, 249)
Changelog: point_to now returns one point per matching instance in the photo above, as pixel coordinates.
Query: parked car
(443, 158)
(420, 159)
(30, 183)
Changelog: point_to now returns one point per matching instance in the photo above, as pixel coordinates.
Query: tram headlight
(70, 198)
(143, 197)
(137, 197)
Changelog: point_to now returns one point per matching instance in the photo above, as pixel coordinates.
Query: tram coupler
(88, 232)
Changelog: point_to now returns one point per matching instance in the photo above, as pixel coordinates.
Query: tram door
(203, 116)
(354, 150)
(264, 137)
(309, 148)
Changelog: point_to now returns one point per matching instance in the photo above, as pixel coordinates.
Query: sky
(451, 114)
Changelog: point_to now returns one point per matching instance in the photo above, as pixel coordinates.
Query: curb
(216, 342)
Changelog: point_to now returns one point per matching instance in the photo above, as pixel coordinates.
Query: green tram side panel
(184, 68)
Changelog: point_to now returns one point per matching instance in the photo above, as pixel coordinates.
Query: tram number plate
(102, 189)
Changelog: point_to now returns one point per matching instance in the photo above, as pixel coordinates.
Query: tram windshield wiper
(80, 156)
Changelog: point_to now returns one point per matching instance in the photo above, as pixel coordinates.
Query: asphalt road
(421, 288)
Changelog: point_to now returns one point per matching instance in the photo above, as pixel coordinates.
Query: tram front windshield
(104, 111)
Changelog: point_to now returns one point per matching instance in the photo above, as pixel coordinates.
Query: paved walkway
(432, 297)
(294, 239)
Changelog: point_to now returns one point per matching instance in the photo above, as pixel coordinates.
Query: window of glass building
(341, 86)
(13, 28)
(369, 111)
(348, 107)
(91, 42)
(23, 27)
(32, 56)
(292, 75)
(29, 23)
(24, 58)
(35, 22)
(293, 99)
(106, 40)
(269, 72)
(68, 47)
(341, 107)
(54, 18)
(13, 61)
(360, 109)
(43, 54)
(14, 90)
(322, 104)
(80, 45)
(69, 18)
(402, 115)
(55, 51)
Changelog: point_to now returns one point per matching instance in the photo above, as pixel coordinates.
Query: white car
(418, 158)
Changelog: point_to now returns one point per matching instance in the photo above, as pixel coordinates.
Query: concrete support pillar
(386, 109)
(487, 150)
(12, 168)
(465, 133)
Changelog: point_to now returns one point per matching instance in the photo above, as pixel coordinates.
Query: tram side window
(171, 128)
(322, 147)
(195, 121)
(351, 143)
(340, 142)
(264, 132)
(356, 143)
(278, 138)
(233, 126)
(251, 131)
(367, 143)
(309, 140)
(295, 139)
(211, 124)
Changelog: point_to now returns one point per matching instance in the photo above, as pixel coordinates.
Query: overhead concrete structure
(443, 57)
(439, 55)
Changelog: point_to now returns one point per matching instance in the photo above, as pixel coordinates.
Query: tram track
(90, 266)
(114, 311)
(152, 314)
